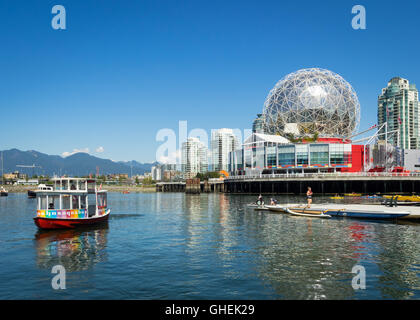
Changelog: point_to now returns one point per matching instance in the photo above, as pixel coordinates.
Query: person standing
(309, 194)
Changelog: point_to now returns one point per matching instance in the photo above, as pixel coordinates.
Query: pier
(321, 183)
(192, 186)
(325, 183)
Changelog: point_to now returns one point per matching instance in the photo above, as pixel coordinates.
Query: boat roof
(73, 179)
(41, 191)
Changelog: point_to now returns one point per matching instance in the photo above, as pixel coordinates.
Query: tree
(208, 175)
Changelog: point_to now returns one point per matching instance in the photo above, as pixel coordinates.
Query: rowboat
(72, 202)
(320, 215)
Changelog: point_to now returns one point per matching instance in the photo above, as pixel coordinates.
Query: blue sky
(123, 70)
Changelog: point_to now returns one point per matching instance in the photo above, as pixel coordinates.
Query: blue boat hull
(364, 215)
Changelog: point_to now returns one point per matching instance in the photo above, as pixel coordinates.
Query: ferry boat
(72, 202)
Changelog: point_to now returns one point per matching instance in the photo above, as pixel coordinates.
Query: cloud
(67, 154)
(173, 158)
(100, 149)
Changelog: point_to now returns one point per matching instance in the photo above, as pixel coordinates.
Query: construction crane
(32, 166)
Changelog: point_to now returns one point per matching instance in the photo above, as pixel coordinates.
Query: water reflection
(75, 249)
(312, 259)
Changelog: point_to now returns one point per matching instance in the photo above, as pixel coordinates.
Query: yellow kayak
(405, 198)
(337, 198)
(353, 194)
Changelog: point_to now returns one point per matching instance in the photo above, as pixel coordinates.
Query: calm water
(176, 246)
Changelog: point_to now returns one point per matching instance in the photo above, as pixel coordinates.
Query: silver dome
(312, 101)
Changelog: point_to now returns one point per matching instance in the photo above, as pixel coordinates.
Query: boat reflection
(75, 249)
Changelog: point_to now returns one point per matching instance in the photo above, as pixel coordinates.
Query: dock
(297, 184)
(194, 186)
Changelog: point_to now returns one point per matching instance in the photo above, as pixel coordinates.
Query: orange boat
(72, 202)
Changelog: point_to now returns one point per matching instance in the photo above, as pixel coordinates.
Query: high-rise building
(157, 173)
(194, 157)
(223, 141)
(258, 124)
(398, 106)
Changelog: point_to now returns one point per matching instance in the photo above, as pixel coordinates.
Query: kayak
(320, 215)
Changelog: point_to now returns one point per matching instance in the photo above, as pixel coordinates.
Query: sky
(123, 70)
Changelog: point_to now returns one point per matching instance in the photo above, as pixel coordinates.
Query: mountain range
(78, 164)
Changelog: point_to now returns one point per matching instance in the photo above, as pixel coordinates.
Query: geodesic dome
(312, 101)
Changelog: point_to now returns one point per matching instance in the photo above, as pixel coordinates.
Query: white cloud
(66, 153)
(173, 158)
(100, 149)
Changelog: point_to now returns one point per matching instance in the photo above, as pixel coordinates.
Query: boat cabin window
(75, 202)
(64, 184)
(54, 202)
(65, 201)
(73, 185)
(82, 202)
(42, 202)
(48, 202)
(82, 184)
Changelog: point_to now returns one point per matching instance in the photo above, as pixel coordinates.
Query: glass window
(65, 198)
(75, 202)
(286, 155)
(319, 154)
(43, 202)
(271, 157)
(248, 157)
(82, 202)
(302, 154)
(260, 157)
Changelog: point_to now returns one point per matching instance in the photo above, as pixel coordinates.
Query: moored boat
(70, 203)
(32, 193)
(374, 212)
(3, 192)
(320, 214)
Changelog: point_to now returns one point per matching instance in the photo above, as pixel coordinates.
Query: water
(177, 246)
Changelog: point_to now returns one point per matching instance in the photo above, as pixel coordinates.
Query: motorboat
(3, 192)
(32, 193)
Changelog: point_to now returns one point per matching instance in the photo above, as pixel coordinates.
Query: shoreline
(109, 188)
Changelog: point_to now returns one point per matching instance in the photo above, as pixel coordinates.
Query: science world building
(306, 126)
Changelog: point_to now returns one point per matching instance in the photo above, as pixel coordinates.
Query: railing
(324, 175)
